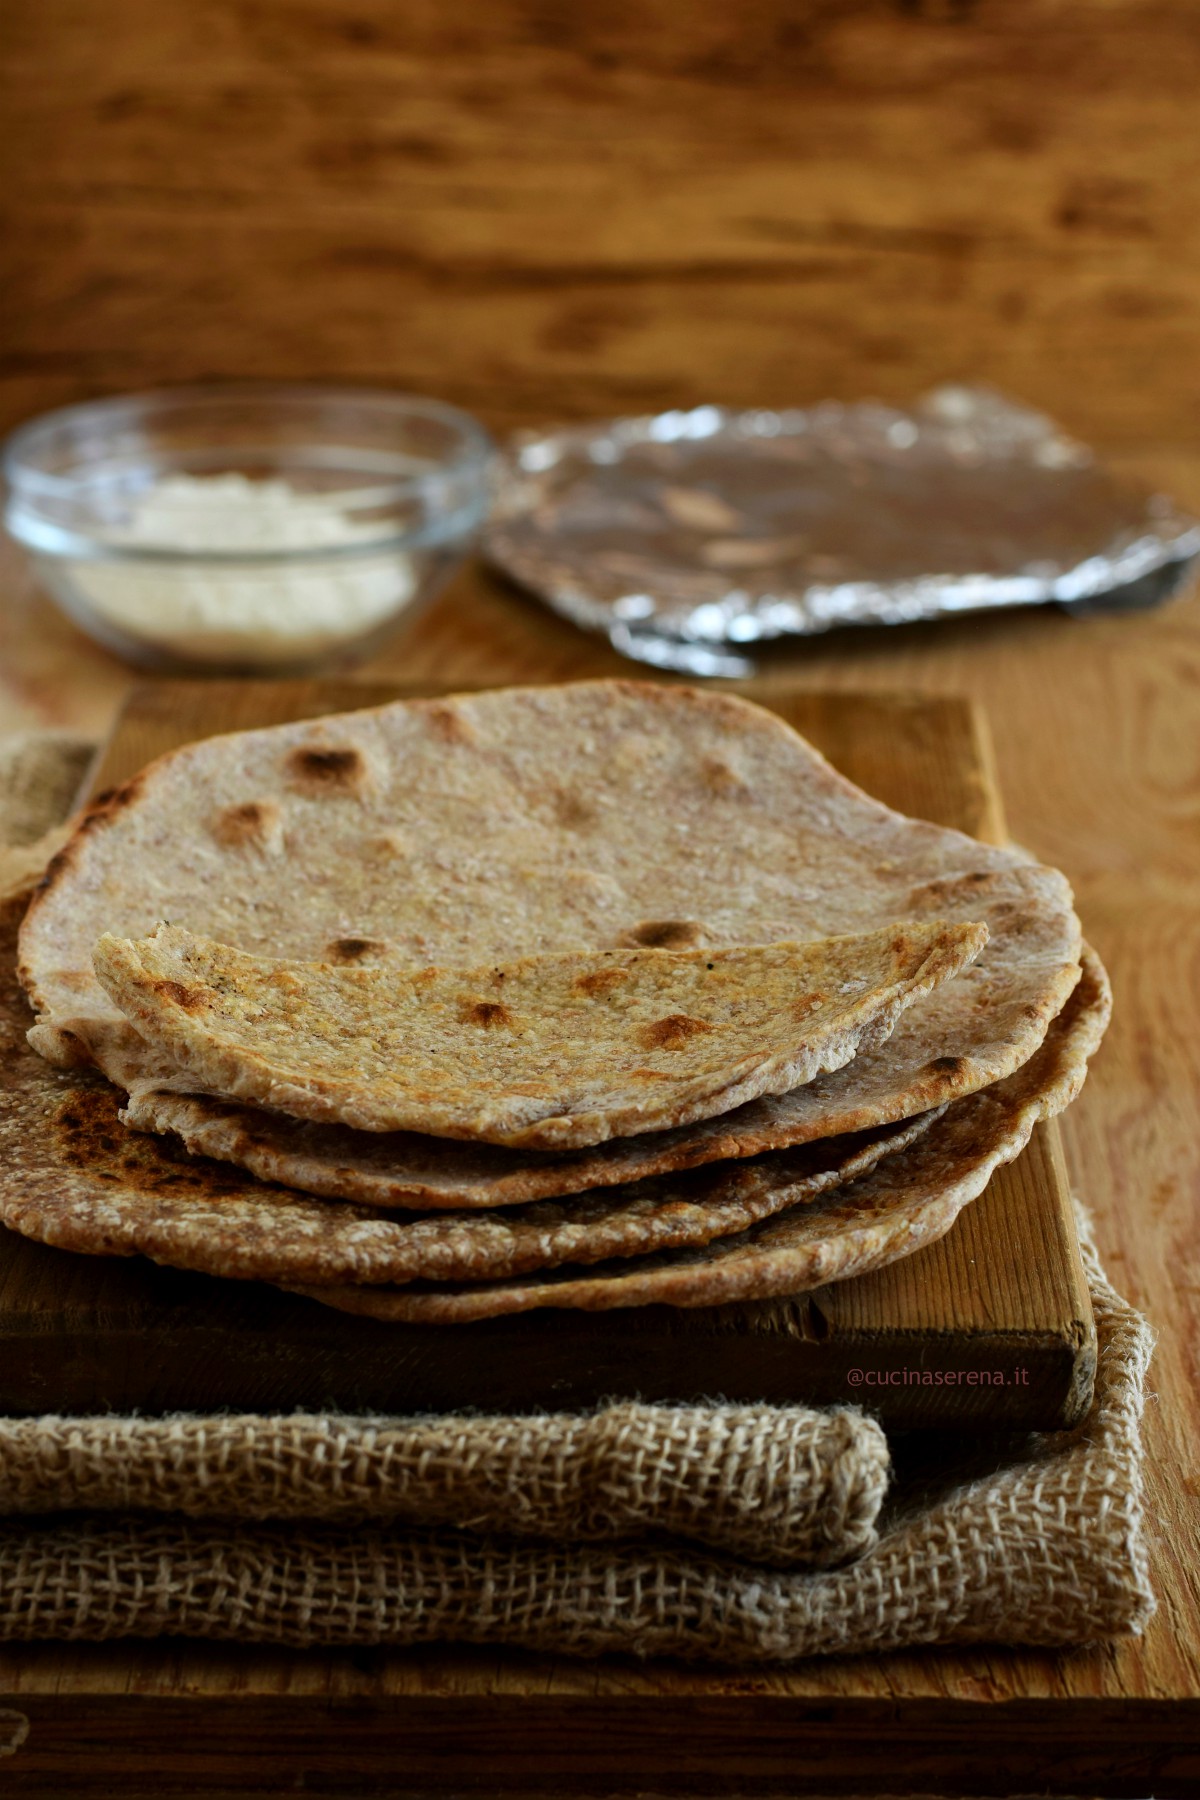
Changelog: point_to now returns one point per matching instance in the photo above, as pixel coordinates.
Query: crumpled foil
(690, 537)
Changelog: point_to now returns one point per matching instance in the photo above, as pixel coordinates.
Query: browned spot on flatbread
(354, 949)
(73, 1053)
(190, 999)
(328, 769)
(720, 778)
(671, 1032)
(600, 981)
(946, 1065)
(571, 810)
(808, 1003)
(108, 804)
(448, 723)
(487, 1013)
(251, 823)
(666, 934)
(88, 1135)
(88, 1117)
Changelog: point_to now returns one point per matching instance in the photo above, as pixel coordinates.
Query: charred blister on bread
(249, 824)
(447, 722)
(672, 1032)
(666, 934)
(488, 1013)
(356, 950)
(571, 809)
(88, 1135)
(327, 770)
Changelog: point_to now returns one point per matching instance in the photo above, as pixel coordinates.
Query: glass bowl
(244, 530)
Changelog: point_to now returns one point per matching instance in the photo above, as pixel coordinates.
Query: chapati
(581, 817)
(77, 1180)
(563, 1049)
(907, 1201)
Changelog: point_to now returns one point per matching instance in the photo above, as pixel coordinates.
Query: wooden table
(1097, 726)
(546, 211)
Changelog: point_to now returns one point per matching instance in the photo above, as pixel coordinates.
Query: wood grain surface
(1002, 1298)
(548, 211)
(1097, 744)
(540, 209)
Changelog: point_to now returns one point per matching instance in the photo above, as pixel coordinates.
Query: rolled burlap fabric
(784, 1486)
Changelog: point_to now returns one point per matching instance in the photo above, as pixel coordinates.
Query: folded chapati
(907, 1201)
(559, 1050)
(76, 1180)
(581, 817)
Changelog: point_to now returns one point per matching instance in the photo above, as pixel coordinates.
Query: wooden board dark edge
(749, 1742)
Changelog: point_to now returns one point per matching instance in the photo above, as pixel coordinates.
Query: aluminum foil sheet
(690, 537)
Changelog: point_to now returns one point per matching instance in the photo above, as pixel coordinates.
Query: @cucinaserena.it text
(938, 1377)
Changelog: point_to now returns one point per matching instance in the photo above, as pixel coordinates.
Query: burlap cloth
(735, 1533)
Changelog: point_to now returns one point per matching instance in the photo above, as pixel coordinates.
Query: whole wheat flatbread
(75, 1179)
(403, 1169)
(581, 817)
(559, 1050)
(907, 1201)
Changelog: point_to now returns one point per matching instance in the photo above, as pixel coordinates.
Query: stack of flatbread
(588, 996)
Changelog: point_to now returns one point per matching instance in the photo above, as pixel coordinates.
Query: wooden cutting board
(992, 1325)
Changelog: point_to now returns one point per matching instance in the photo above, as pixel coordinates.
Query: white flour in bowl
(248, 612)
